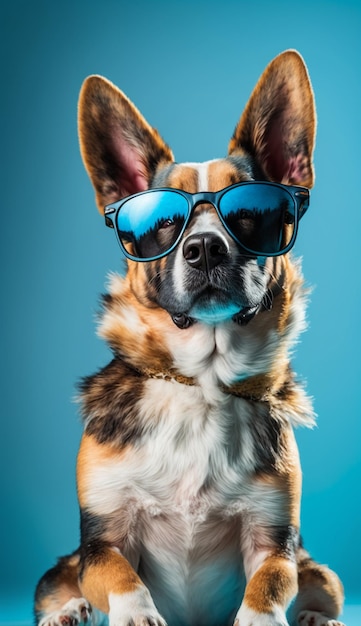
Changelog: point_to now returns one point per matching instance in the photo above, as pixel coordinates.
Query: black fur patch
(287, 539)
(161, 176)
(110, 403)
(266, 435)
(245, 164)
(93, 547)
(91, 527)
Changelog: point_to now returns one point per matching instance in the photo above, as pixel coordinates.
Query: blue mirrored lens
(260, 216)
(152, 221)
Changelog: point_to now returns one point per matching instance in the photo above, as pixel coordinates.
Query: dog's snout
(204, 251)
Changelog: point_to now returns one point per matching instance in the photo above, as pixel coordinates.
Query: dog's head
(207, 276)
(212, 270)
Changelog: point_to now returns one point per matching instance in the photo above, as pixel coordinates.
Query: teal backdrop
(190, 67)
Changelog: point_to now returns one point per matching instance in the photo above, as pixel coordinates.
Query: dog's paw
(314, 618)
(74, 613)
(135, 608)
(248, 617)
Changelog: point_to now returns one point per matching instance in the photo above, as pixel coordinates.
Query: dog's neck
(226, 355)
(227, 360)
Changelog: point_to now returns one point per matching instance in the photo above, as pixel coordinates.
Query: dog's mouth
(243, 317)
(233, 290)
(215, 307)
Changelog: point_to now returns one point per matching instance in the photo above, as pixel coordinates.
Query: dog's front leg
(110, 584)
(268, 593)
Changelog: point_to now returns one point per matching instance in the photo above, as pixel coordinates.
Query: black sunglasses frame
(299, 195)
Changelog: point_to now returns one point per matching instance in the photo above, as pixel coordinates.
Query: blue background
(190, 68)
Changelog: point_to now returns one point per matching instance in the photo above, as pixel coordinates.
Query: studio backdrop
(190, 67)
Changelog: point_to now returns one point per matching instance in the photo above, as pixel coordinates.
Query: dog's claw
(313, 618)
(75, 612)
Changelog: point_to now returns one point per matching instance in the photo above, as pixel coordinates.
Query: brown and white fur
(188, 473)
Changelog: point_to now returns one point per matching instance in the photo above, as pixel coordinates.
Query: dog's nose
(204, 251)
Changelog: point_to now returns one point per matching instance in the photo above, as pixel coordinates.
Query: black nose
(204, 251)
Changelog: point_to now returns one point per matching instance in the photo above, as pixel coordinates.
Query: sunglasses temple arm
(304, 202)
(303, 208)
(109, 214)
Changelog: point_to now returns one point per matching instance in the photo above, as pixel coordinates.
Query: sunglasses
(261, 217)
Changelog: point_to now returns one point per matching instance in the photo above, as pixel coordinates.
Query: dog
(188, 473)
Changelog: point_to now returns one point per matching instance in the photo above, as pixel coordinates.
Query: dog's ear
(279, 121)
(120, 150)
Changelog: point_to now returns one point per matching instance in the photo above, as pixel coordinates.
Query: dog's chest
(176, 501)
(193, 465)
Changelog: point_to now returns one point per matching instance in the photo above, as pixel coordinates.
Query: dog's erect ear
(279, 121)
(120, 150)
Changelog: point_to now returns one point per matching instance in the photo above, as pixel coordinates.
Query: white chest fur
(192, 448)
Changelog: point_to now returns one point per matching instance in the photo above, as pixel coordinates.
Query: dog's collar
(258, 388)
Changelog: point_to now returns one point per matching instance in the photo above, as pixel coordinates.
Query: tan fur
(222, 174)
(184, 177)
(144, 340)
(277, 575)
(92, 455)
(319, 585)
(111, 574)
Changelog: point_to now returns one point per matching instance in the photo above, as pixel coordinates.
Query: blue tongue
(242, 317)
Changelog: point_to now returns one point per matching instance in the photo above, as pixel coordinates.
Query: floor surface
(351, 617)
